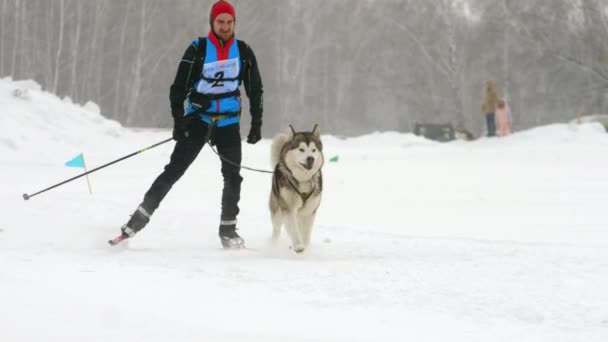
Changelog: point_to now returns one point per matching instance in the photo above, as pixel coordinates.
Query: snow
(500, 239)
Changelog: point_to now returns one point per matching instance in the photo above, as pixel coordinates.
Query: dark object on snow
(463, 134)
(438, 132)
(599, 118)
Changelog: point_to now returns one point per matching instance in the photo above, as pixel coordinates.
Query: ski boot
(229, 237)
(138, 221)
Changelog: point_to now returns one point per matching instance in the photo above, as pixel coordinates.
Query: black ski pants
(228, 142)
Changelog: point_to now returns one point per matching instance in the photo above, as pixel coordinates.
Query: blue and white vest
(218, 70)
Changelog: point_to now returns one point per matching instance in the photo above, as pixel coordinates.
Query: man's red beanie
(219, 8)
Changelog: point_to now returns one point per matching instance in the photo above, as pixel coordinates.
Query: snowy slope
(492, 240)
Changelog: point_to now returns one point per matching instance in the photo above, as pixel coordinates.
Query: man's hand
(181, 128)
(255, 132)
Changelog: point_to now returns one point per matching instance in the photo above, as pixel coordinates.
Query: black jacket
(190, 68)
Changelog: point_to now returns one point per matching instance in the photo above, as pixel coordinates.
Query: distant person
(488, 108)
(206, 103)
(502, 117)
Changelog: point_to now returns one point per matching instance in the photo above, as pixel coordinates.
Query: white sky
(492, 240)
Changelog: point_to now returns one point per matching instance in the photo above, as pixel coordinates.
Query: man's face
(223, 26)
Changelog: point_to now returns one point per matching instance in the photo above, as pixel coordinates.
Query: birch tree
(3, 20)
(93, 69)
(59, 47)
(75, 47)
(17, 37)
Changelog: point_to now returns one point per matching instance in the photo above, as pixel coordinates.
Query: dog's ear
(316, 131)
(292, 131)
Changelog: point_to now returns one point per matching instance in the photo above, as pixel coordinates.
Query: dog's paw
(299, 248)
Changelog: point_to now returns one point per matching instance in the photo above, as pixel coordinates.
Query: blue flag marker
(78, 161)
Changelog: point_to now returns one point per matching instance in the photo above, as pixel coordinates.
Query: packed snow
(499, 239)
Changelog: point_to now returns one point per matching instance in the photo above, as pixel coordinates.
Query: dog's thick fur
(297, 184)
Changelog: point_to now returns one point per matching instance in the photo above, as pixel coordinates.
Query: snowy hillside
(493, 240)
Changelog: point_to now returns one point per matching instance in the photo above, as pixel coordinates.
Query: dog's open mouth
(308, 166)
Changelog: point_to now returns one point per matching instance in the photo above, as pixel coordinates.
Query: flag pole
(87, 173)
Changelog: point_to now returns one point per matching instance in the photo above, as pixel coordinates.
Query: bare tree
(74, 88)
(17, 37)
(135, 88)
(119, 75)
(3, 30)
(49, 33)
(58, 59)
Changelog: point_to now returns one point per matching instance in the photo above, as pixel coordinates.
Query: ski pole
(27, 197)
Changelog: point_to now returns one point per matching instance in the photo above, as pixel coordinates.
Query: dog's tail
(277, 145)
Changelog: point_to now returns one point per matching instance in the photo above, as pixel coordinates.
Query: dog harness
(304, 196)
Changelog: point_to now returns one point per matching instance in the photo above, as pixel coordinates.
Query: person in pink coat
(502, 116)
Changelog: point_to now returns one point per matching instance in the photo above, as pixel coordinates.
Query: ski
(117, 240)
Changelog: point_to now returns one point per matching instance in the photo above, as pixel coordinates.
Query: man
(206, 107)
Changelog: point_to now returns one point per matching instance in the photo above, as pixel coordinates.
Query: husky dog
(297, 158)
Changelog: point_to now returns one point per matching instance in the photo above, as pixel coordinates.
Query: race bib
(217, 73)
